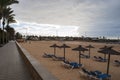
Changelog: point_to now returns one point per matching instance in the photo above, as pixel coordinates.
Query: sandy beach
(37, 49)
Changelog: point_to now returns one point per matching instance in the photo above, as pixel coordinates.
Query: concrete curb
(37, 71)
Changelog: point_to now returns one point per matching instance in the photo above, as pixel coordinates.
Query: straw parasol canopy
(89, 47)
(105, 50)
(54, 46)
(79, 48)
(64, 46)
(109, 51)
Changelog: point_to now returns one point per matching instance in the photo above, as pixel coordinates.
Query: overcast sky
(68, 17)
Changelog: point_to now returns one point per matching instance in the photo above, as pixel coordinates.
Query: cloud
(45, 29)
(106, 19)
(90, 16)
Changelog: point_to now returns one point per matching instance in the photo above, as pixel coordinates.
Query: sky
(92, 18)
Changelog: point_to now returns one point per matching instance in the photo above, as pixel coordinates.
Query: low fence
(37, 71)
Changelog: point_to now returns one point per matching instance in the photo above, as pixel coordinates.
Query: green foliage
(18, 35)
(7, 16)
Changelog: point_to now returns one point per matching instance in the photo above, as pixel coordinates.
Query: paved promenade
(12, 66)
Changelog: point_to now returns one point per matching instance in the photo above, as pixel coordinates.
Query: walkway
(12, 66)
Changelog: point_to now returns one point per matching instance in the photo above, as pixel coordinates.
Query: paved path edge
(37, 71)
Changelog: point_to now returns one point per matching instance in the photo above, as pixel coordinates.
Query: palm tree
(18, 35)
(0, 22)
(10, 19)
(7, 12)
(0, 35)
(10, 33)
(3, 5)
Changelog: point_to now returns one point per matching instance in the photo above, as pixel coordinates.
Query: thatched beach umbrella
(89, 47)
(54, 46)
(80, 48)
(110, 52)
(105, 47)
(64, 46)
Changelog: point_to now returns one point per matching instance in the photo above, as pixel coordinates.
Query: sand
(37, 49)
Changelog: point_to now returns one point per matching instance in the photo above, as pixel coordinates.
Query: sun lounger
(100, 59)
(71, 65)
(95, 58)
(116, 62)
(84, 56)
(66, 65)
(97, 72)
(48, 55)
(85, 73)
(103, 77)
(75, 65)
(97, 75)
(55, 58)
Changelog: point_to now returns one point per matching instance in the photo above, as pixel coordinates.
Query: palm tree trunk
(0, 36)
(0, 31)
(3, 32)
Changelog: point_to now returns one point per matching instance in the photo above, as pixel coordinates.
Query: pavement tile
(12, 67)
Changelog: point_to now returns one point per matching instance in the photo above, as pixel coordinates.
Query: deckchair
(100, 59)
(71, 65)
(56, 58)
(75, 65)
(84, 56)
(66, 65)
(46, 55)
(95, 58)
(97, 75)
(116, 62)
(85, 73)
(103, 77)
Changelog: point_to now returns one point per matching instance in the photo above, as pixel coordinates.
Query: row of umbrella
(105, 50)
(63, 46)
(79, 48)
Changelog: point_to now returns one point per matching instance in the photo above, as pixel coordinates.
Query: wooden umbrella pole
(54, 51)
(79, 57)
(64, 53)
(108, 65)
